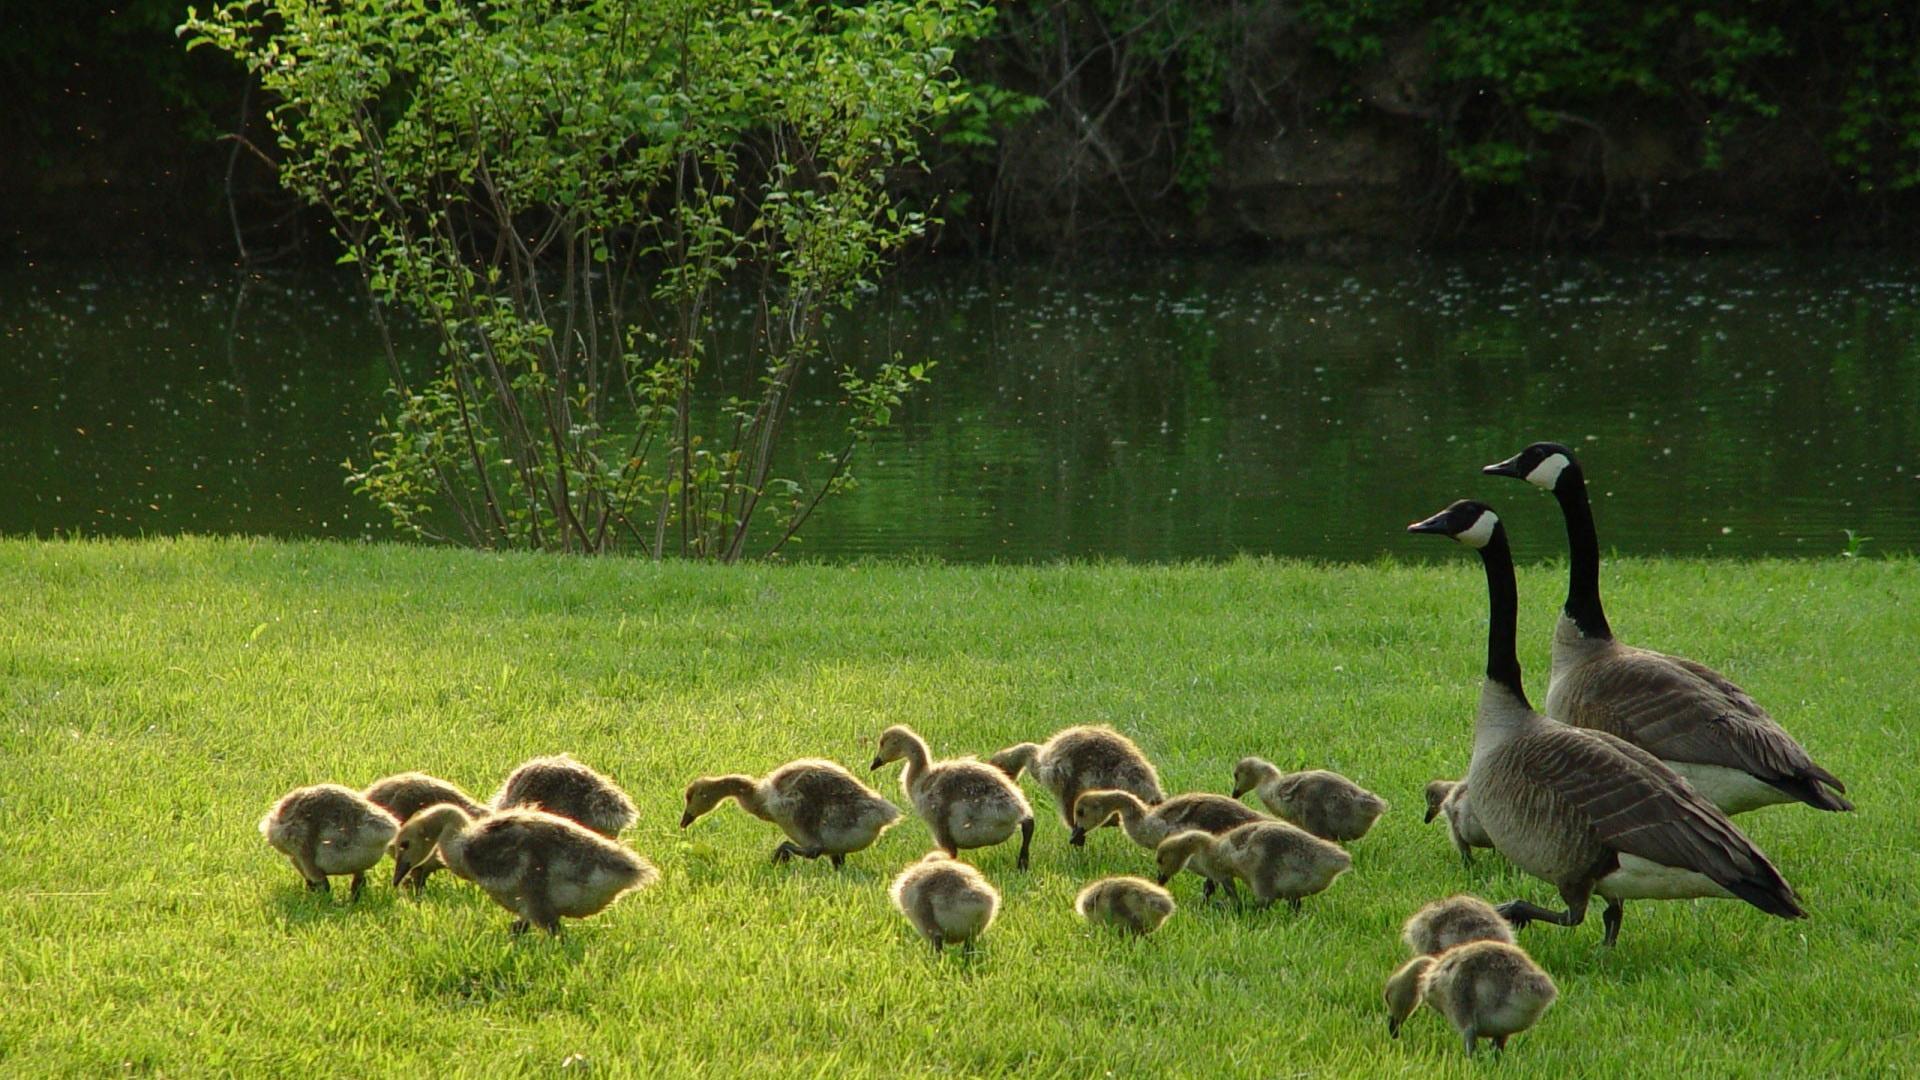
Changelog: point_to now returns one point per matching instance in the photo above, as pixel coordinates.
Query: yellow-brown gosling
(408, 793)
(540, 866)
(1485, 989)
(1441, 925)
(946, 900)
(1081, 759)
(823, 808)
(1148, 825)
(1449, 798)
(1276, 860)
(1326, 804)
(328, 829)
(1127, 903)
(560, 785)
(967, 803)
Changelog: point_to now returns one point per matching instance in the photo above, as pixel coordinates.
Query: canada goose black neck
(1503, 606)
(1583, 554)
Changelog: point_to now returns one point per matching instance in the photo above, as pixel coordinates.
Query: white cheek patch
(1547, 473)
(1481, 531)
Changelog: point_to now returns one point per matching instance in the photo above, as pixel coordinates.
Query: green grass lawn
(156, 697)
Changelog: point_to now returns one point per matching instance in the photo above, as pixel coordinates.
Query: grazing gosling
(1275, 859)
(945, 900)
(1148, 825)
(1128, 903)
(1079, 759)
(328, 829)
(1449, 797)
(823, 808)
(1485, 989)
(539, 866)
(1441, 925)
(1326, 804)
(560, 785)
(967, 803)
(408, 793)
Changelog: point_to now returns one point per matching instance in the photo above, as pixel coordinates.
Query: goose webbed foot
(318, 886)
(1519, 913)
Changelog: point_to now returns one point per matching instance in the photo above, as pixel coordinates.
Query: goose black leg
(1519, 912)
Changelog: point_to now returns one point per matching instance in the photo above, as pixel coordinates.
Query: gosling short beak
(1509, 467)
(1432, 812)
(686, 819)
(400, 869)
(1079, 837)
(876, 764)
(1435, 524)
(1238, 791)
(1164, 878)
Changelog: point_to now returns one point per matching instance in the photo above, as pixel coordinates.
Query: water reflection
(1191, 409)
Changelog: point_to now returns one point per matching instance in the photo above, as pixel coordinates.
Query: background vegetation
(155, 697)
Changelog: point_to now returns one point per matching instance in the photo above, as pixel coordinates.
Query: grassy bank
(156, 697)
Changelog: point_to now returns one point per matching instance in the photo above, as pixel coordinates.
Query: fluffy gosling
(328, 829)
(1127, 903)
(1079, 759)
(1485, 989)
(967, 803)
(1148, 825)
(823, 808)
(1441, 925)
(1326, 804)
(560, 785)
(1276, 860)
(1449, 797)
(946, 900)
(405, 795)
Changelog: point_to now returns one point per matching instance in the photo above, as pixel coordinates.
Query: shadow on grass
(299, 908)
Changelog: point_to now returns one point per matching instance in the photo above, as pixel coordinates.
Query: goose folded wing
(1683, 711)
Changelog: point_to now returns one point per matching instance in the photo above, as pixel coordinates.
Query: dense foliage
(570, 195)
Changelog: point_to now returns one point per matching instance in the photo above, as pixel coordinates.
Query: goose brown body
(966, 803)
(327, 829)
(824, 809)
(1080, 759)
(1485, 989)
(945, 899)
(562, 786)
(1324, 803)
(405, 795)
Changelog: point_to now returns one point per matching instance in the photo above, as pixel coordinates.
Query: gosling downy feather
(1081, 759)
(1448, 798)
(1441, 925)
(1127, 903)
(823, 808)
(1688, 715)
(1326, 804)
(945, 899)
(1485, 989)
(1277, 861)
(328, 829)
(1583, 810)
(405, 795)
(967, 803)
(565, 787)
(1148, 825)
(539, 866)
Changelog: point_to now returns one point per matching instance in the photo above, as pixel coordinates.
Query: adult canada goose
(405, 795)
(327, 829)
(1586, 811)
(821, 807)
(1441, 925)
(1485, 989)
(1081, 759)
(1684, 713)
(1278, 861)
(560, 785)
(1326, 804)
(1148, 825)
(1127, 903)
(539, 866)
(1449, 798)
(945, 899)
(967, 803)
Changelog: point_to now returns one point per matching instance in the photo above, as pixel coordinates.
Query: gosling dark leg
(1206, 891)
(1610, 918)
(319, 886)
(359, 884)
(519, 927)
(1469, 1041)
(939, 943)
(943, 840)
(785, 852)
(1294, 903)
(1499, 1044)
(838, 860)
(1026, 841)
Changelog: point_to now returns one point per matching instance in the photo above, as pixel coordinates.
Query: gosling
(328, 829)
(1276, 861)
(946, 900)
(967, 803)
(1449, 797)
(1127, 903)
(539, 866)
(1485, 989)
(1148, 825)
(1454, 921)
(1079, 759)
(823, 808)
(1326, 804)
(560, 785)
(409, 793)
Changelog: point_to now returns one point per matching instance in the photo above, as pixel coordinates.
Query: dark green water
(1735, 406)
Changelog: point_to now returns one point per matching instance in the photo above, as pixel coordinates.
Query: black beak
(400, 869)
(1164, 878)
(1435, 524)
(1432, 812)
(686, 819)
(876, 764)
(1079, 837)
(1509, 467)
(1238, 791)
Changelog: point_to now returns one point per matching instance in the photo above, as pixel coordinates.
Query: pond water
(1175, 409)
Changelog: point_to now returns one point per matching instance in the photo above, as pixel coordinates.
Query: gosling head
(1248, 772)
(1472, 523)
(1172, 855)
(894, 744)
(418, 837)
(1403, 992)
(1092, 810)
(702, 796)
(1541, 465)
(1437, 792)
